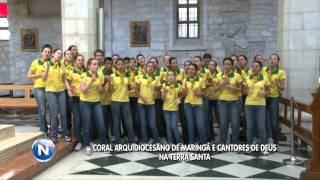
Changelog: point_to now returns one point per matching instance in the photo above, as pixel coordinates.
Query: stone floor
(146, 165)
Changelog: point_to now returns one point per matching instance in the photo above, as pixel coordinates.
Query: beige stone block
(82, 26)
(296, 40)
(296, 21)
(311, 39)
(311, 20)
(69, 26)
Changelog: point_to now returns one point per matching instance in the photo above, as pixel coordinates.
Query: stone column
(299, 46)
(79, 25)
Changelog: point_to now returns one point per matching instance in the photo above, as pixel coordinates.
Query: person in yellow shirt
(182, 115)
(166, 67)
(91, 85)
(205, 75)
(73, 78)
(54, 75)
(68, 63)
(207, 58)
(213, 96)
(141, 64)
(146, 89)
(114, 57)
(174, 66)
(105, 96)
(74, 50)
(257, 88)
(99, 56)
(126, 63)
(170, 93)
(120, 106)
(133, 75)
(194, 89)
(276, 77)
(229, 84)
(35, 75)
(160, 122)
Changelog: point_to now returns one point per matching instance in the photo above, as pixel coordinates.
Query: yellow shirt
(68, 67)
(93, 94)
(191, 85)
(105, 96)
(74, 78)
(213, 95)
(133, 74)
(120, 90)
(277, 74)
(170, 101)
(226, 94)
(148, 86)
(163, 76)
(54, 82)
(204, 74)
(256, 86)
(37, 67)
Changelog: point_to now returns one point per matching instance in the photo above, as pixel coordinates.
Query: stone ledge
(25, 166)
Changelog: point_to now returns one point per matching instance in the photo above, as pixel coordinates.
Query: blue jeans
(75, 108)
(272, 123)
(255, 115)
(41, 102)
(118, 109)
(147, 114)
(229, 111)
(213, 107)
(92, 111)
(206, 120)
(171, 125)
(107, 116)
(194, 116)
(57, 104)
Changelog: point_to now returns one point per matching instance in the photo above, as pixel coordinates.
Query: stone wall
(49, 32)
(4, 62)
(299, 46)
(227, 27)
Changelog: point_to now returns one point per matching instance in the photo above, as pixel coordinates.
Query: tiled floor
(145, 165)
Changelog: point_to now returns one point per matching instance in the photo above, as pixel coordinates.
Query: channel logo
(43, 150)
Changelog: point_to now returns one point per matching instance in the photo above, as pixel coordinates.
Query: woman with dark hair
(35, 74)
(194, 90)
(205, 75)
(229, 84)
(74, 50)
(213, 96)
(147, 87)
(74, 98)
(141, 64)
(54, 75)
(170, 93)
(276, 77)
(257, 88)
(160, 121)
(182, 115)
(120, 105)
(91, 85)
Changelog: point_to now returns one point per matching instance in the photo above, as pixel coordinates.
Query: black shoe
(54, 139)
(67, 139)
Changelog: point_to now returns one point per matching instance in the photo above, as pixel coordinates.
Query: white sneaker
(88, 150)
(78, 147)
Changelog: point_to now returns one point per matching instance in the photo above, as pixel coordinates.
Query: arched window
(188, 19)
